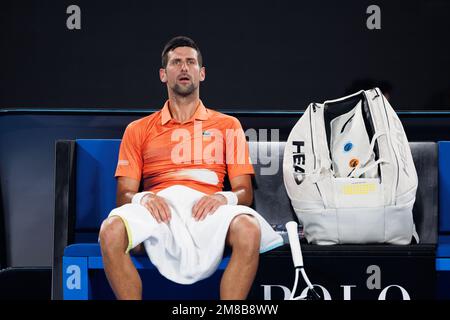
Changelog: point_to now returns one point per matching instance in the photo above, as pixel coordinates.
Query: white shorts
(186, 250)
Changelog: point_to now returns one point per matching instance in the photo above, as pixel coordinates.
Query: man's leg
(244, 236)
(120, 270)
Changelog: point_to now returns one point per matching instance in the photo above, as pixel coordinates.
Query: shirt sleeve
(130, 161)
(237, 153)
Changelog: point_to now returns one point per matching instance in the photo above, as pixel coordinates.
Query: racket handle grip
(294, 242)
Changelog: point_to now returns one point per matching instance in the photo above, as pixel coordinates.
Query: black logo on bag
(298, 157)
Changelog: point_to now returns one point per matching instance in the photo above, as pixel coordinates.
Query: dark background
(259, 55)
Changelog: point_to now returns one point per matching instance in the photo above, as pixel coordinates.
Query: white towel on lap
(185, 250)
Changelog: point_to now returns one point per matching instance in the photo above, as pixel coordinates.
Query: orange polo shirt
(198, 153)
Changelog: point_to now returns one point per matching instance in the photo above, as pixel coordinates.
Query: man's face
(183, 73)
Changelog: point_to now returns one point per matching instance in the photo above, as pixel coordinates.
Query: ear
(202, 73)
(162, 75)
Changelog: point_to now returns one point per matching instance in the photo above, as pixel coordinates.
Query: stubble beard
(184, 91)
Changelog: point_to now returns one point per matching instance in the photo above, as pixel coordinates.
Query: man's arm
(126, 189)
(157, 206)
(240, 185)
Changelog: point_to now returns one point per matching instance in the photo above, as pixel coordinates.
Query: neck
(183, 108)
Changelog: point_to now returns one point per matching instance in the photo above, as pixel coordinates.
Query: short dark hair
(179, 41)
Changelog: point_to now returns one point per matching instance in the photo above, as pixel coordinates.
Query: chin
(184, 91)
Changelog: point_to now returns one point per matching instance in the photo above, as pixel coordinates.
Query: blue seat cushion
(93, 253)
(443, 249)
(83, 250)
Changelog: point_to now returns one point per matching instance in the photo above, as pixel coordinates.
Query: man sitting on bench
(183, 219)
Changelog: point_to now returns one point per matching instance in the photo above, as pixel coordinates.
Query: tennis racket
(297, 258)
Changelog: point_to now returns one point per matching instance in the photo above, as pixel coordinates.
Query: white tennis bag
(349, 172)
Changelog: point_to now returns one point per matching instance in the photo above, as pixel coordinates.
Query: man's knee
(113, 234)
(245, 233)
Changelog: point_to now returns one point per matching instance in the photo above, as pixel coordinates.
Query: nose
(184, 66)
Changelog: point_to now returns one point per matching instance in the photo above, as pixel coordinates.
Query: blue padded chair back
(444, 186)
(96, 162)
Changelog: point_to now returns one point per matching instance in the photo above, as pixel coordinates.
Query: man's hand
(157, 207)
(207, 205)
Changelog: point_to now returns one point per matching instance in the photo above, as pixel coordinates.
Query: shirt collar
(201, 113)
